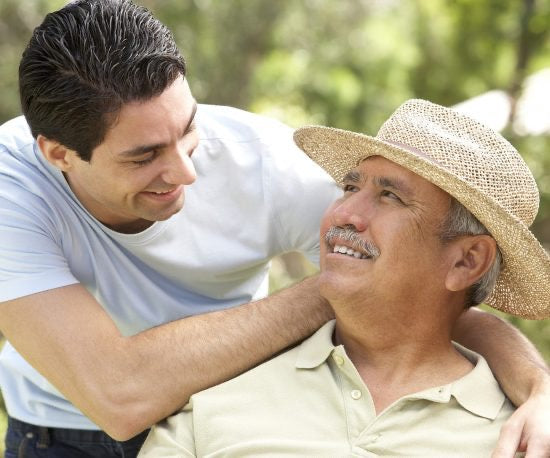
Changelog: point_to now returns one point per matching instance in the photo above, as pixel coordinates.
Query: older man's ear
(472, 256)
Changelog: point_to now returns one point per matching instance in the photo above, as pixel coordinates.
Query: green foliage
(17, 20)
(538, 332)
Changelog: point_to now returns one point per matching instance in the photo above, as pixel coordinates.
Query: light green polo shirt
(311, 402)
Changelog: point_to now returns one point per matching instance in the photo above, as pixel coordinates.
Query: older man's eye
(349, 188)
(391, 195)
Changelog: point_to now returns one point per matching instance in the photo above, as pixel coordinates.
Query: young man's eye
(146, 161)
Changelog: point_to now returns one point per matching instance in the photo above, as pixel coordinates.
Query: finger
(538, 449)
(508, 440)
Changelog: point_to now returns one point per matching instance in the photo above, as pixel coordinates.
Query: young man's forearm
(125, 384)
(516, 363)
(217, 346)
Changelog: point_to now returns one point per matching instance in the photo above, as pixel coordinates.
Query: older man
(433, 220)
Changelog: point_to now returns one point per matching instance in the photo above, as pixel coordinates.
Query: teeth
(349, 251)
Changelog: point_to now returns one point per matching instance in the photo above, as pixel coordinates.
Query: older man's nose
(350, 214)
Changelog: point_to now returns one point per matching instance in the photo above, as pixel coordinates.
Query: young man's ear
(474, 255)
(56, 154)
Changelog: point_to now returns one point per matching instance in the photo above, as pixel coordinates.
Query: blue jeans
(28, 441)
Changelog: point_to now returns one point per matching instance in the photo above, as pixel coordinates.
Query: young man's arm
(125, 384)
(523, 376)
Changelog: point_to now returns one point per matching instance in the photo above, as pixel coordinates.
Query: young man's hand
(528, 429)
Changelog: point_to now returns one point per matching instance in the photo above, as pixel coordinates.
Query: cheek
(327, 220)
(135, 181)
(326, 224)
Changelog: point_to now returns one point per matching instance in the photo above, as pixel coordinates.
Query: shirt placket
(358, 404)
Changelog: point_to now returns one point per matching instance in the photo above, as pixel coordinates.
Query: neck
(398, 354)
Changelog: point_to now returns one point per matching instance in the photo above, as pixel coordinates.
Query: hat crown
(473, 152)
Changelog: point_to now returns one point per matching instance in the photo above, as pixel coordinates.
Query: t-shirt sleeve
(31, 258)
(300, 192)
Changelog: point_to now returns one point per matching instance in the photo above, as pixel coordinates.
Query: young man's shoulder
(15, 134)
(27, 185)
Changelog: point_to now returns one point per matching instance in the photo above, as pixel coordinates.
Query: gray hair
(460, 222)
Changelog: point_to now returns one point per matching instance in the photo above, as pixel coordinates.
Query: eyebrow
(139, 150)
(393, 183)
(354, 176)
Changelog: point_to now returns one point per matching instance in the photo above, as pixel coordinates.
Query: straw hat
(475, 165)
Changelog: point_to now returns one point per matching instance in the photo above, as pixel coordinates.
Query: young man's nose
(179, 168)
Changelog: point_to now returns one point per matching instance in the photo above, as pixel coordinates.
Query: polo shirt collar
(477, 392)
(314, 351)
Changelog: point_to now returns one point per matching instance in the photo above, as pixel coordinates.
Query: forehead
(374, 166)
(384, 172)
(154, 121)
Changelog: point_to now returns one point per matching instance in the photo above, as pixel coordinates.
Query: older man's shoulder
(260, 381)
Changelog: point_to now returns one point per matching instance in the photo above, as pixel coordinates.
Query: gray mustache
(350, 235)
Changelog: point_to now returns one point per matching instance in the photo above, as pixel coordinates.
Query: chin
(330, 286)
(336, 287)
(167, 213)
(163, 216)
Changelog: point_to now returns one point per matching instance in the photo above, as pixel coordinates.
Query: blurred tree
(17, 20)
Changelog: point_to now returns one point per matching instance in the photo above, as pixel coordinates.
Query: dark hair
(88, 59)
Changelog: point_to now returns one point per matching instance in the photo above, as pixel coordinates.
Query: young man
(100, 258)
(402, 258)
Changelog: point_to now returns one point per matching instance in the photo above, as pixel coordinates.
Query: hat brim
(526, 264)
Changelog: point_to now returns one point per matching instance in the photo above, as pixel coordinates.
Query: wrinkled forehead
(385, 172)
(380, 164)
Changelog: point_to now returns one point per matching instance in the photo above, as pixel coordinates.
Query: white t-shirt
(256, 196)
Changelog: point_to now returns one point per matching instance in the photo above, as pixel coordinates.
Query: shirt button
(339, 360)
(29, 435)
(356, 394)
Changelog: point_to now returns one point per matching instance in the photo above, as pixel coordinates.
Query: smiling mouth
(341, 249)
(164, 195)
(160, 193)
